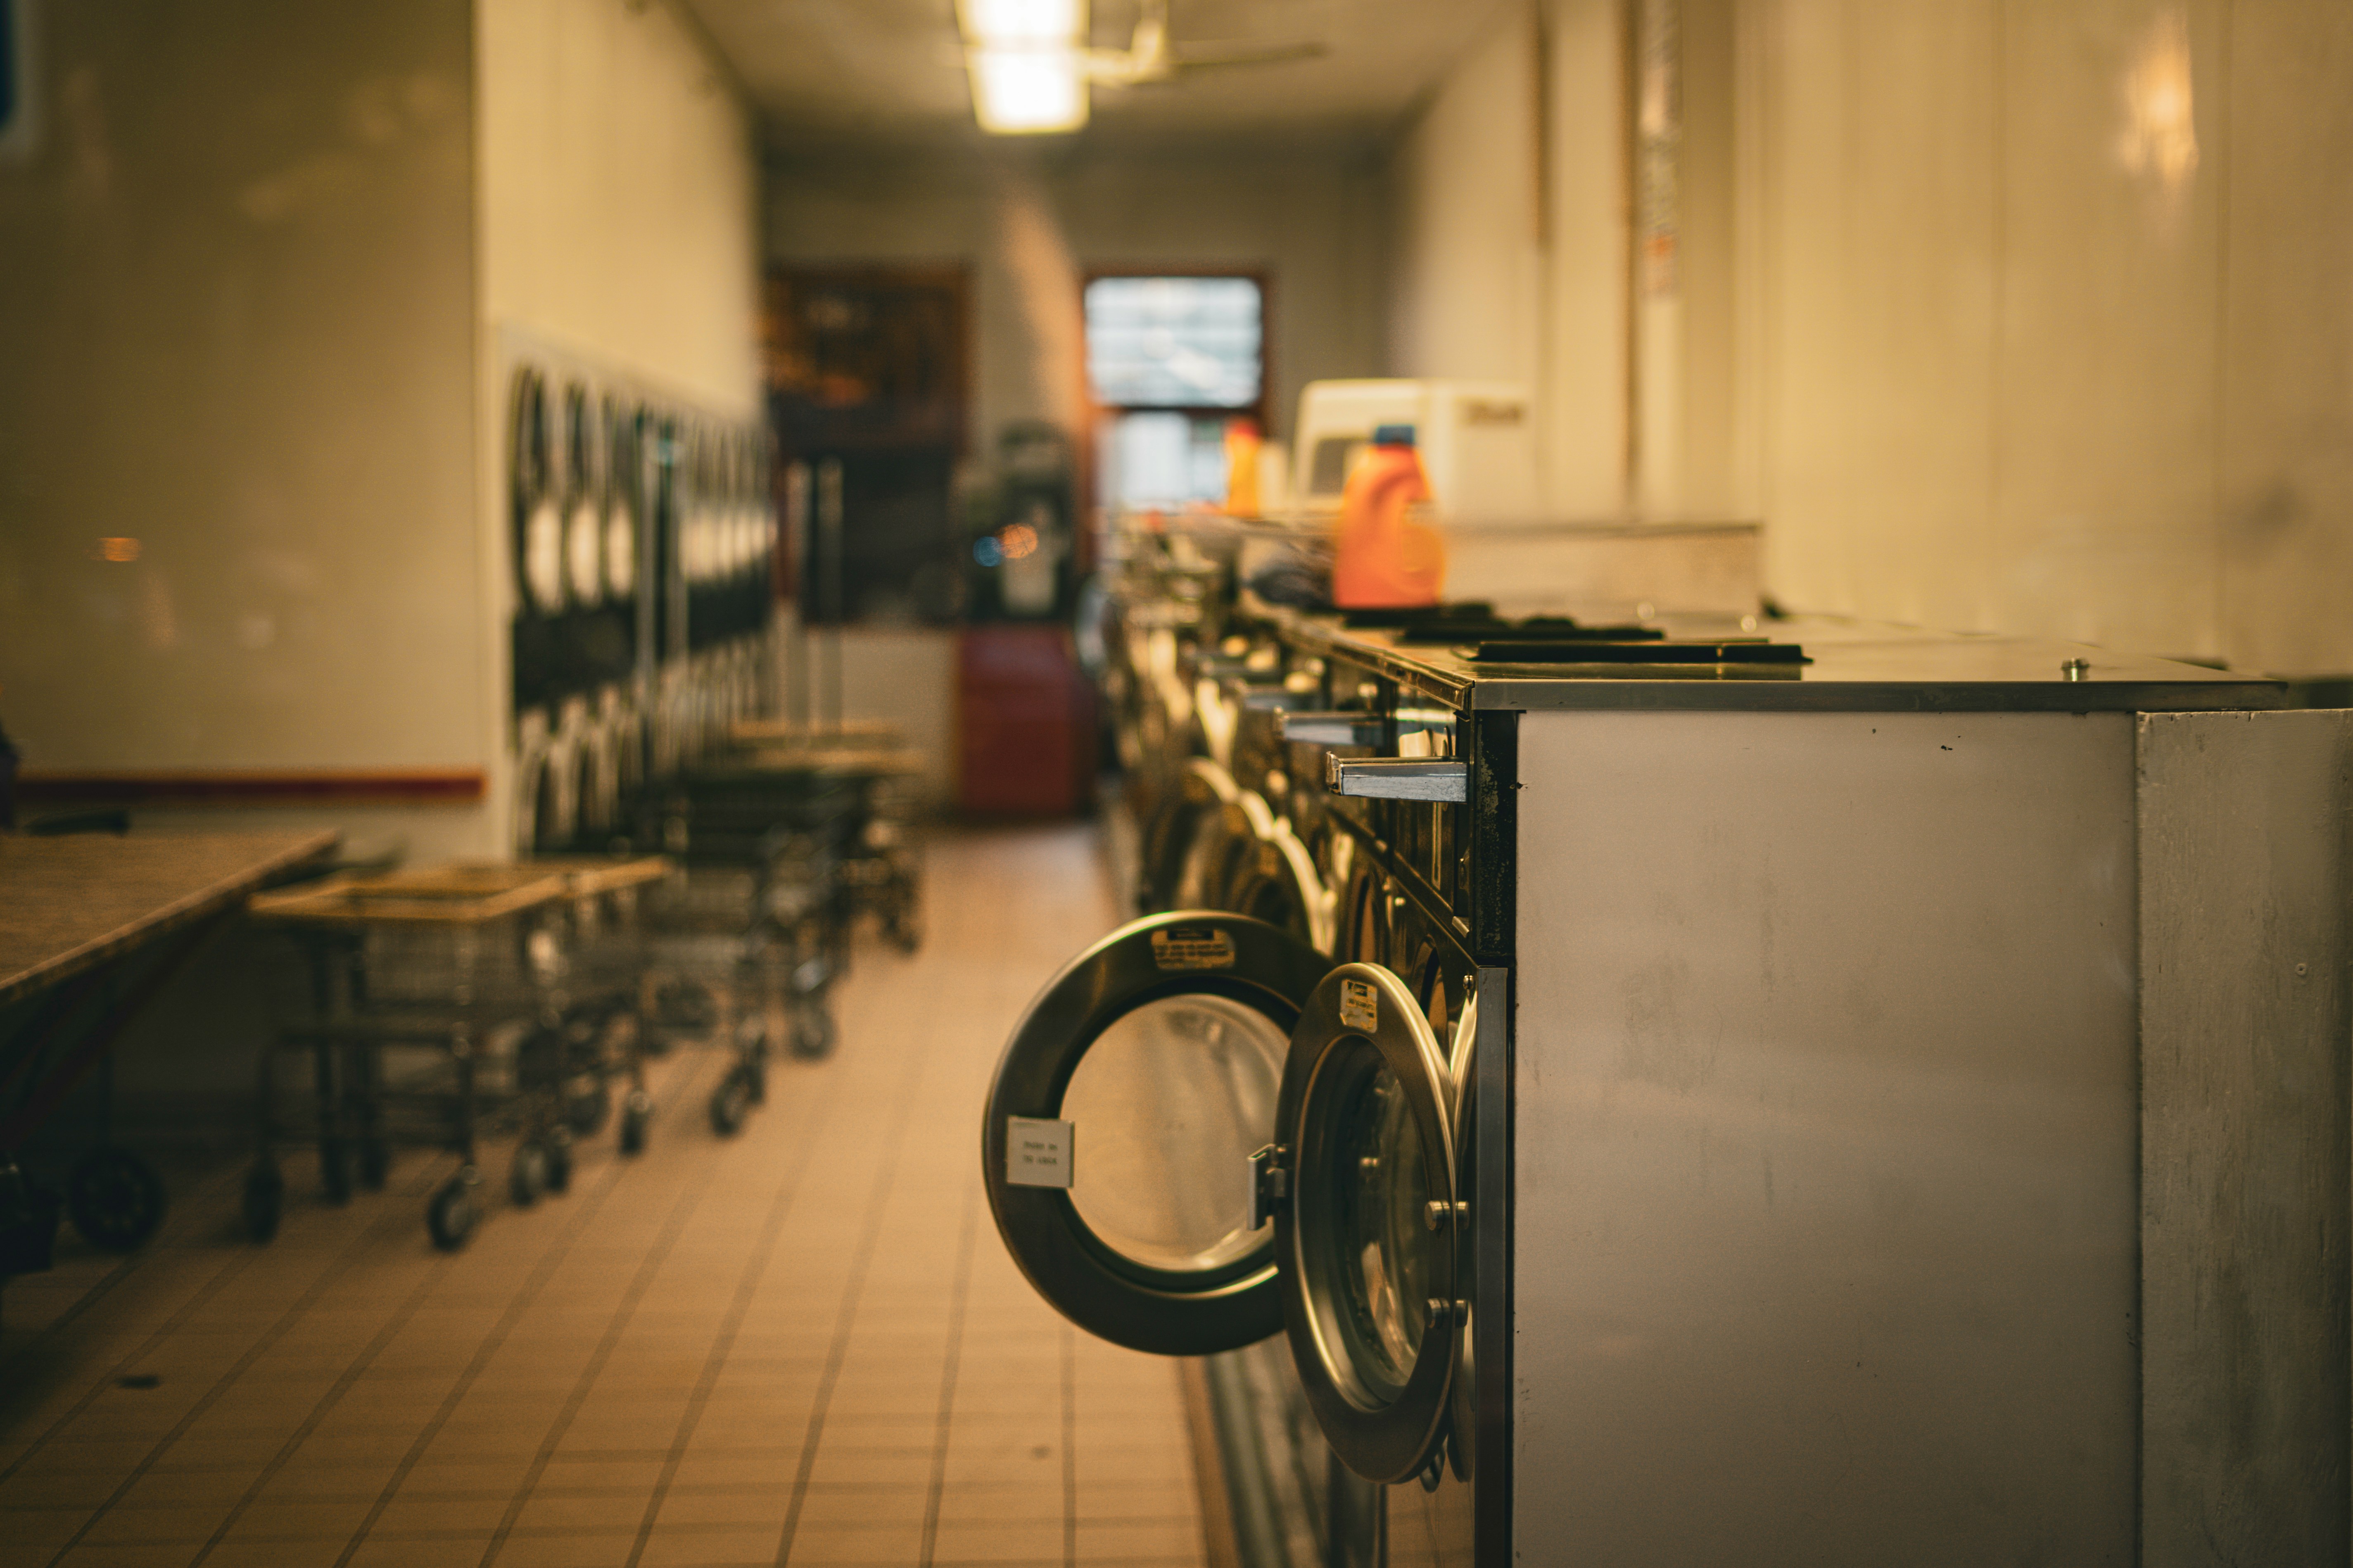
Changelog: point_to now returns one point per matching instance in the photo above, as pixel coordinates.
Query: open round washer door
(1367, 1245)
(1117, 1146)
(1276, 881)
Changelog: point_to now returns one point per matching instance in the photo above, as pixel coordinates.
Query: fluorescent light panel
(991, 23)
(1028, 75)
(1028, 91)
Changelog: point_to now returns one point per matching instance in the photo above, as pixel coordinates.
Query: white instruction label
(1192, 948)
(1360, 1005)
(1037, 1152)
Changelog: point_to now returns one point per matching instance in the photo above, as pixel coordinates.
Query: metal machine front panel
(2245, 943)
(1825, 1212)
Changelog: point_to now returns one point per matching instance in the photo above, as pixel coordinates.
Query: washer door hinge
(1270, 1185)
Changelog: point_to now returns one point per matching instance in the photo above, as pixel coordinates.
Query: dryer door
(1366, 1244)
(1118, 1139)
(1278, 883)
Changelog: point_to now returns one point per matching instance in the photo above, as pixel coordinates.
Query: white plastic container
(1477, 440)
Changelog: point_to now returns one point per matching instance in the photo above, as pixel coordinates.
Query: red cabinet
(1025, 724)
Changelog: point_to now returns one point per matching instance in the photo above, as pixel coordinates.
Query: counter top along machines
(1840, 1094)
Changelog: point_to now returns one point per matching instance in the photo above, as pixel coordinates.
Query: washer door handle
(1399, 778)
(1331, 728)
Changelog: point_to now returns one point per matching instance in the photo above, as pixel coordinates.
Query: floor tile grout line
(1070, 1447)
(244, 1257)
(959, 1292)
(723, 1344)
(344, 1256)
(327, 1402)
(846, 1316)
(98, 1292)
(147, 1347)
(625, 1311)
(541, 1272)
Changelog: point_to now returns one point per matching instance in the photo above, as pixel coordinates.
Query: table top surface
(69, 904)
(454, 893)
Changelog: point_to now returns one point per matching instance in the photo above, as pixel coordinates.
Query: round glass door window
(1363, 1237)
(1165, 1107)
(620, 551)
(1122, 1139)
(583, 554)
(543, 557)
(1369, 1281)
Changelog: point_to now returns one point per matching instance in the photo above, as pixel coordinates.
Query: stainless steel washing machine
(1833, 1095)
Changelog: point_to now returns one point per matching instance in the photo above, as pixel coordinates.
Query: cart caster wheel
(559, 1160)
(115, 1199)
(687, 1005)
(265, 1200)
(755, 1078)
(376, 1163)
(335, 1171)
(813, 1035)
(453, 1215)
(590, 1110)
(527, 1176)
(730, 1102)
(752, 1034)
(636, 1120)
(903, 926)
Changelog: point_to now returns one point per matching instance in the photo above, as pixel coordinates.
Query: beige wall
(1030, 221)
(260, 269)
(618, 194)
(1989, 335)
(237, 327)
(2037, 356)
(1507, 193)
(618, 205)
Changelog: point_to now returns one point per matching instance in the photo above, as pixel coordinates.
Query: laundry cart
(882, 866)
(437, 1012)
(604, 995)
(757, 922)
(781, 850)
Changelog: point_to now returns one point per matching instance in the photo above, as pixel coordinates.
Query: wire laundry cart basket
(445, 1003)
(882, 851)
(758, 923)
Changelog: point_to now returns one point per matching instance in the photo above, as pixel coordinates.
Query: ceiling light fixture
(1027, 65)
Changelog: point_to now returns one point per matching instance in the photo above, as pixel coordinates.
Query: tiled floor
(805, 1345)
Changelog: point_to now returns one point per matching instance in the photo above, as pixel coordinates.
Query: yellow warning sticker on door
(1192, 948)
(1037, 1152)
(1360, 1005)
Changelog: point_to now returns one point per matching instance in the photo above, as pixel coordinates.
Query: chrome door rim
(1391, 1440)
(1116, 1298)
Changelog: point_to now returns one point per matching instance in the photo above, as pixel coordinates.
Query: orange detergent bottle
(1242, 468)
(1383, 559)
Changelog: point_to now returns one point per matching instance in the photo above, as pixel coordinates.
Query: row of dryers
(643, 545)
(1681, 1092)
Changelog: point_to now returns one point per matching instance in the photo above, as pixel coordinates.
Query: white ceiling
(892, 71)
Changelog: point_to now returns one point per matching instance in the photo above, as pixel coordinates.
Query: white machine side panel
(1826, 1206)
(2245, 1020)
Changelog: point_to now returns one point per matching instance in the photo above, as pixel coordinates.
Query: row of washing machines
(1687, 1092)
(643, 543)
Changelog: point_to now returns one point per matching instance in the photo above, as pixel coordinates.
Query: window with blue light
(1175, 343)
